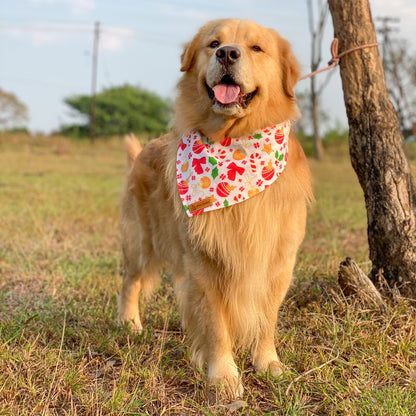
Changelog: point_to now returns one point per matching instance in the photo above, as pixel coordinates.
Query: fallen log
(354, 282)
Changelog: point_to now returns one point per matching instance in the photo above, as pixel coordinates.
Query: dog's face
(235, 67)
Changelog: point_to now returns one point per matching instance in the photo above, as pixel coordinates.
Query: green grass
(61, 352)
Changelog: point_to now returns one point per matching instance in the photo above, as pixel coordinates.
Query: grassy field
(61, 352)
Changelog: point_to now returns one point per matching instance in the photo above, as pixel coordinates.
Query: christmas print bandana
(213, 175)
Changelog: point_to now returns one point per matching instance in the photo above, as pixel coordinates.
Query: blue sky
(46, 45)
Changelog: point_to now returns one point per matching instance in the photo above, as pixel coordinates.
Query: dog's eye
(256, 48)
(214, 44)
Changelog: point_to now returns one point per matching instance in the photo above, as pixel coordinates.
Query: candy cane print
(221, 153)
(253, 158)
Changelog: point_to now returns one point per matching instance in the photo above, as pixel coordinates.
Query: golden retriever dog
(231, 257)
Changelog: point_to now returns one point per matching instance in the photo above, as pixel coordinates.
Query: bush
(120, 110)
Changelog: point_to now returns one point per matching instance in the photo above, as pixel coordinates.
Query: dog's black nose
(228, 55)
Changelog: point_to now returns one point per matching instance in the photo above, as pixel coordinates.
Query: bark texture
(376, 149)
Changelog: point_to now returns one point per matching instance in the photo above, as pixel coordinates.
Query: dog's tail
(133, 148)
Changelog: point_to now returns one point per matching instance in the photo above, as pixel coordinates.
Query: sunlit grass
(61, 351)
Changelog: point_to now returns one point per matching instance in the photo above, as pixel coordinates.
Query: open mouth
(228, 93)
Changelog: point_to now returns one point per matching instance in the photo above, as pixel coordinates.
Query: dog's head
(237, 73)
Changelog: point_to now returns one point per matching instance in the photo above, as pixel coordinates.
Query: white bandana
(213, 175)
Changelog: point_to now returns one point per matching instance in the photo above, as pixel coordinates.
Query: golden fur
(232, 267)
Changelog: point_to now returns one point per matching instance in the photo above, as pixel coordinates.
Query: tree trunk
(376, 149)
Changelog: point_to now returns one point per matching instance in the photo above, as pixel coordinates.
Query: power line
(68, 27)
(41, 83)
(127, 32)
(47, 28)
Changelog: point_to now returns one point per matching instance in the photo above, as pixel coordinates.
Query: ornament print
(213, 175)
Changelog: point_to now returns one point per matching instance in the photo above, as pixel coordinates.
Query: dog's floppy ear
(188, 54)
(290, 67)
(189, 51)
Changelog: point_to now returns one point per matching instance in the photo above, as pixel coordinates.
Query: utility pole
(94, 80)
(391, 65)
(385, 31)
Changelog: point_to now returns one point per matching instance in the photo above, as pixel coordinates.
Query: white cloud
(76, 7)
(81, 6)
(40, 34)
(112, 38)
(39, 2)
(191, 14)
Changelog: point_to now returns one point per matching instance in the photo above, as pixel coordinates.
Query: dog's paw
(133, 324)
(227, 386)
(224, 376)
(274, 368)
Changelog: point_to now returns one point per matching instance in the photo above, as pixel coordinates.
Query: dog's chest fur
(248, 237)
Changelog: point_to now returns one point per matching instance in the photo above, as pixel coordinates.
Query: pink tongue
(225, 93)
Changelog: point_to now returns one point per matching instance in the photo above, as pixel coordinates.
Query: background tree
(305, 123)
(376, 149)
(317, 31)
(121, 110)
(13, 113)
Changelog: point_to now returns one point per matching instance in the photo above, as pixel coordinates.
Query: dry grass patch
(61, 352)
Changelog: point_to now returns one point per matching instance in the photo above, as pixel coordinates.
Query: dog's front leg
(128, 302)
(222, 369)
(265, 357)
(204, 319)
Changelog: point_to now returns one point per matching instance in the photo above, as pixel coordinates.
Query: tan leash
(336, 57)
